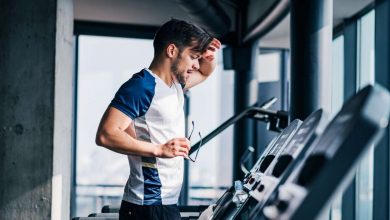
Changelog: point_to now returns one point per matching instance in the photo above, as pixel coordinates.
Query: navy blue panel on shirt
(152, 186)
(134, 97)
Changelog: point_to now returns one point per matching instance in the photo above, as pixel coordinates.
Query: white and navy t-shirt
(158, 115)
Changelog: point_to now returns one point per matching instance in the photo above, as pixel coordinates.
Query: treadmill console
(330, 160)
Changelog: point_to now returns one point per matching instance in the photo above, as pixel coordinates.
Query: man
(145, 120)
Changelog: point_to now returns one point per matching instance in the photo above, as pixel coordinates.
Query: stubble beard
(179, 75)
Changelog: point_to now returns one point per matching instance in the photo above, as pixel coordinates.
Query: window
(104, 64)
(366, 75)
(272, 80)
(337, 100)
(269, 66)
(337, 74)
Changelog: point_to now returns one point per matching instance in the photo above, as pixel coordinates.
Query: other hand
(173, 148)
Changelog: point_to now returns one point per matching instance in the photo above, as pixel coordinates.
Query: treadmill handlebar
(267, 104)
(276, 120)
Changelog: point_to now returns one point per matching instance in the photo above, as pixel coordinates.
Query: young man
(145, 120)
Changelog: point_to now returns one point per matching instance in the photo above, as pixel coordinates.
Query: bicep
(114, 119)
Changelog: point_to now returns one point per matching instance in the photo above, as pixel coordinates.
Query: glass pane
(337, 74)
(367, 50)
(365, 76)
(211, 104)
(337, 101)
(105, 63)
(268, 67)
(271, 83)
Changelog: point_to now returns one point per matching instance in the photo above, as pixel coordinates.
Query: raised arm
(207, 65)
(113, 133)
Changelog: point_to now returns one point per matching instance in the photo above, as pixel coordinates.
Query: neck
(162, 70)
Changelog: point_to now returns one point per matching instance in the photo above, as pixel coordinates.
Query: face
(185, 64)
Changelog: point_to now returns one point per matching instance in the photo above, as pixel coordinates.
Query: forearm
(208, 62)
(121, 142)
(206, 68)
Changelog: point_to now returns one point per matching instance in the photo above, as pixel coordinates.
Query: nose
(196, 65)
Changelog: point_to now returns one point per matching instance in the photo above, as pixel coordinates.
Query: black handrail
(276, 120)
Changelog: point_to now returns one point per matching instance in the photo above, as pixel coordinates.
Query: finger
(216, 42)
(219, 43)
(183, 150)
(189, 143)
(214, 45)
(181, 154)
(184, 139)
(184, 144)
(212, 49)
(206, 54)
(210, 57)
(181, 138)
(180, 141)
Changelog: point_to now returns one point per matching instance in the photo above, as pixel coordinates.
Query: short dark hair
(182, 34)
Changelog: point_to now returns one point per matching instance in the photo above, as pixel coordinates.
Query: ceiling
(342, 9)
(156, 12)
(145, 12)
(139, 12)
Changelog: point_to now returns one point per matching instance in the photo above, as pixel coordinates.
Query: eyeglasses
(200, 142)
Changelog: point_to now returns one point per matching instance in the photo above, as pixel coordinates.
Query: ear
(171, 50)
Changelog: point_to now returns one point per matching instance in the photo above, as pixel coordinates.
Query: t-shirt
(158, 114)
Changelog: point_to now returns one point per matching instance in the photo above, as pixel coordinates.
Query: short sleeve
(135, 96)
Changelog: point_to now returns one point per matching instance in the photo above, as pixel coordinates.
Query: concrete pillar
(36, 91)
(311, 53)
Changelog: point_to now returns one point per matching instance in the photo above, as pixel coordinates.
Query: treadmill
(329, 163)
(225, 206)
(261, 185)
(264, 177)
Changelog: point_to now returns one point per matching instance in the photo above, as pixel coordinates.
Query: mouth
(188, 74)
(190, 71)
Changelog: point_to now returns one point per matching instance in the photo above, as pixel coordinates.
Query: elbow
(101, 139)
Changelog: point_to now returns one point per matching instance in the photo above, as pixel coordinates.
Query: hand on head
(209, 54)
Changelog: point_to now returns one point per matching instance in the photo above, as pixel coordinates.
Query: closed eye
(196, 56)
